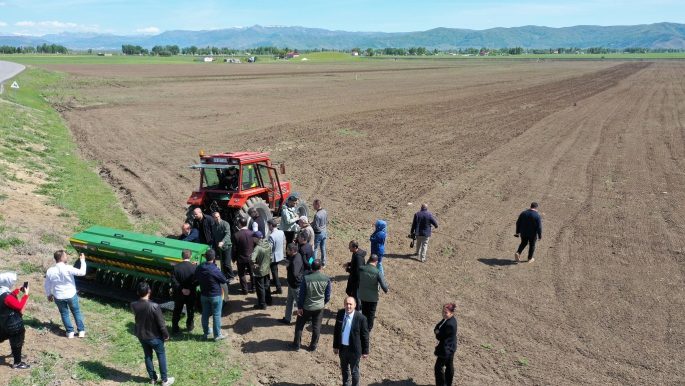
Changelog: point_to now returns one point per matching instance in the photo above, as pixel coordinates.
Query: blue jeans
(157, 345)
(64, 305)
(320, 242)
(211, 306)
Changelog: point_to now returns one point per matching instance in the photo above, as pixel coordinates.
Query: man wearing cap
(261, 260)
(276, 239)
(303, 222)
(289, 219)
(210, 278)
(529, 228)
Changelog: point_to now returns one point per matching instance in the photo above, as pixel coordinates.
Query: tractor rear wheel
(262, 208)
(189, 213)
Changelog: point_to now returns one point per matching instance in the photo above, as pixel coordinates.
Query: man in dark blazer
(243, 248)
(350, 340)
(529, 228)
(185, 285)
(357, 260)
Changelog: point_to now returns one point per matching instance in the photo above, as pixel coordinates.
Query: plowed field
(599, 145)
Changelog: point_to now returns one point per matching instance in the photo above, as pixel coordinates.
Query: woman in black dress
(446, 334)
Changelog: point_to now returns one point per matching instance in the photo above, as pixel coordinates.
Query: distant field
(130, 59)
(316, 57)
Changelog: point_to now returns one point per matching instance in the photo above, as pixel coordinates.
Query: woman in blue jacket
(378, 241)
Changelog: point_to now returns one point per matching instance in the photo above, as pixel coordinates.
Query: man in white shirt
(60, 288)
(276, 239)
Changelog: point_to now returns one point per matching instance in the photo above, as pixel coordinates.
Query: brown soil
(599, 145)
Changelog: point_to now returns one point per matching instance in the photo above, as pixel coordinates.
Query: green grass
(91, 59)
(191, 359)
(351, 132)
(75, 186)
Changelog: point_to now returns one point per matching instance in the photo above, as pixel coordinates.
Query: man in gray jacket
(289, 218)
(370, 279)
(151, 332)
(221, 230)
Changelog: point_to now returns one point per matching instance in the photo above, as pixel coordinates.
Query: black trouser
(246, 268)
(263, 292)
(274, 276)
(443, 377)
(16, 343)
(179, 302)
(530, 242)
(226, 263)
(289, 237)
(369, 310)
(349, 362)
(316, 318)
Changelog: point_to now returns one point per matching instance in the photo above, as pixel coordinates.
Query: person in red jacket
(12, 328)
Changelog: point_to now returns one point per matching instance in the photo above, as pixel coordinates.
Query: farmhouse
(354, 53)
(291, 55)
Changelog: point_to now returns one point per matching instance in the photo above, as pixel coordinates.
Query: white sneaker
(70, 335)
(81, 334)
(169, 381)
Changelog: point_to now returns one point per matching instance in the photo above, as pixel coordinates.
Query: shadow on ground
(497, 262)
(108, 373)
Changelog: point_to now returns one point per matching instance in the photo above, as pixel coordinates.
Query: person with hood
(352, 268)
(261, 264)
(289, 218)
(378, 241)
(11, 319)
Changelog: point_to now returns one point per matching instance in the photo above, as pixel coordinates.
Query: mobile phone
(26, 284)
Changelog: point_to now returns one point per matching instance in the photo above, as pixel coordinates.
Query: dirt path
(598, 145)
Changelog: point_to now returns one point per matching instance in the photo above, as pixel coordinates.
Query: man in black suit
(185, 285)
(529, 228)
(242, 250)
(350, 340)
(352, 267)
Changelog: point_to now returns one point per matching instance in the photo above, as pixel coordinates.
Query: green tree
(370, 52)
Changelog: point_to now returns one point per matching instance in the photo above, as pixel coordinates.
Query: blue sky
(133, 17)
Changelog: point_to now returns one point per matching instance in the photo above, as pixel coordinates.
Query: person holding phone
(11, 318)
(60, 288)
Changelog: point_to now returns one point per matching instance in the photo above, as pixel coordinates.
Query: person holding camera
(60, 288)
(421, 230)
(529, 228)
(11, 319)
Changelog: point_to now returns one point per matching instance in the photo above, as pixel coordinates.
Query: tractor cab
(229, 180)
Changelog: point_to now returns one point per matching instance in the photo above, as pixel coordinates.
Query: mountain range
(659, 35)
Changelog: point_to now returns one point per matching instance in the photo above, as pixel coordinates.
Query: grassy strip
(36, 139)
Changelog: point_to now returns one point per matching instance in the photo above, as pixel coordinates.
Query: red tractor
(232, 183)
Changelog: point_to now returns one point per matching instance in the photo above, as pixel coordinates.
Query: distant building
(484, 53)
(101, 54)
(291, 55)
(354, 53)
(207, 59)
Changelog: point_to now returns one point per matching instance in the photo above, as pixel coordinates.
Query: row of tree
(43, 49)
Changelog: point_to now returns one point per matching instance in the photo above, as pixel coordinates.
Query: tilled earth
(600, 145)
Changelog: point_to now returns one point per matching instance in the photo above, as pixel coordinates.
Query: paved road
(9, 69)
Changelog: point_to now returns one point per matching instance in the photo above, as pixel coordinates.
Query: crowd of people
(297, 245)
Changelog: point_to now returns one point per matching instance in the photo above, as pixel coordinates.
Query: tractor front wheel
(261, 207)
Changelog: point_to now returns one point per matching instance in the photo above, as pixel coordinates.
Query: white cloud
(53, 24)
(2, 4)
(3, 24)
(148, 30)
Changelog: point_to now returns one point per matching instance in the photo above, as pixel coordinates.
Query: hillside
(660, 35)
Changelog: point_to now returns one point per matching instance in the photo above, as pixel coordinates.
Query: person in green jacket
(261, 262)
(370, 279)
(221, 230)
